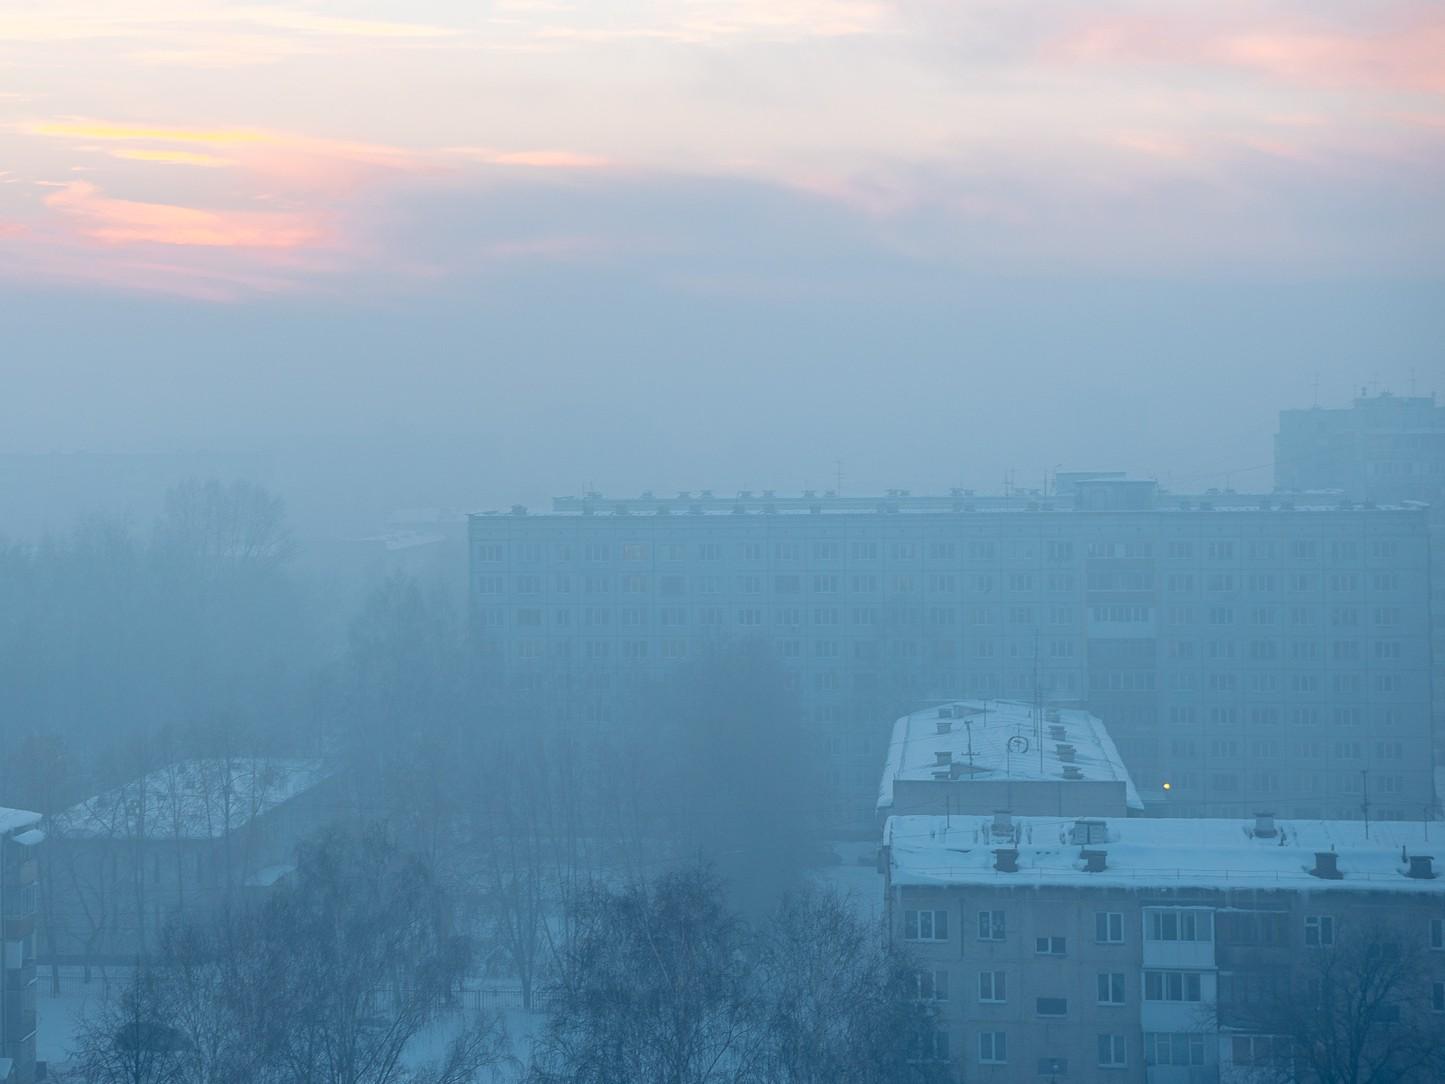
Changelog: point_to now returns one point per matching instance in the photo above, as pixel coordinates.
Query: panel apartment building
(1251, 652)
(1381, 449)
(1158, 951)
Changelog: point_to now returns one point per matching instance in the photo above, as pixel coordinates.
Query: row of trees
(333, 980)
(346, 974)
(663, 982)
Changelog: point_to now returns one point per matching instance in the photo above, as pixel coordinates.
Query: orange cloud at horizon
(119, 221)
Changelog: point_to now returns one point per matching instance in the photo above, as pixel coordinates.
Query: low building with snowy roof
(20, 833)
(1150, 950)
(176, 843)
(977, 756)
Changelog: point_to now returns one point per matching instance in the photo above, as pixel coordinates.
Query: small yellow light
(1168, 786)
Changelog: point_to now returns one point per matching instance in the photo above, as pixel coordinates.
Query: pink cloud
(119, 221)
(1400, 54)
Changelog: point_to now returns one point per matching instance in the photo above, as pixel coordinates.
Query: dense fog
(713, 542)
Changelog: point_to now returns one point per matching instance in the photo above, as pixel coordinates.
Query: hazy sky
(495, 250)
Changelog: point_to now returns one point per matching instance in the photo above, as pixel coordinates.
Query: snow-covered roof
(1165, 853)
(192, 799)
(16, 820)
(982, 742)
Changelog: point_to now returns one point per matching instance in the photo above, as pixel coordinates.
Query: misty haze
(722, 542)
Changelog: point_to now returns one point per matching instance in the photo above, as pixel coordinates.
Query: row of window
(1160, 924)
(1338, 551)
(938, 585)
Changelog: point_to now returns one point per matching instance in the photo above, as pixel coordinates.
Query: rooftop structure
(975, 756)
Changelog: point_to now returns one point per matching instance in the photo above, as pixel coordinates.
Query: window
(932, 985)
(1053, 1006)
(925, 925)
(1180, 925)
(1319, 930)
(1171, 986)
(1173, 1048)
(992, 987)
(991, 926)
(1437, 997)
(1111, 1052)
(1111, 988)
(1109, 928)
(993, 1047)
(1437, 933)
(1049, 946)
(1259, 1050)
(634, 551)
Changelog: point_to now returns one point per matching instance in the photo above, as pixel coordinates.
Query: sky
(451, 252)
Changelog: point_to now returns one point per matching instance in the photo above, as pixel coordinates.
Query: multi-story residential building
(19, 835)
(177, 843)
(977, 756)
(1249, 651)
(1155, 950)
(1383, 448)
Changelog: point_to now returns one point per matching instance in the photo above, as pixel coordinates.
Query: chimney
(1420, 867)
(1095, 861)
(1264, 826)
(1071, 772)
(1006, 860)
(943, 758)
(1003, 823)
(1066, 752)
(945, 725)
(1326, 866)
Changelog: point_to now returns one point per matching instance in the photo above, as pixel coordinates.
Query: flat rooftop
(1003, 740)
(1169, 853)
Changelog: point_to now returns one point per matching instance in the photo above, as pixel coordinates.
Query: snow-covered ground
(60, 1017)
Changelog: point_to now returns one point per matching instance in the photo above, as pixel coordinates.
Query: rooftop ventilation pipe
(1264, 826)
(1421, 868)
(1327, 866)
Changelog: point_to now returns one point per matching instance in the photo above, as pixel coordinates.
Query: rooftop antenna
(838, 477)
(1412, 382)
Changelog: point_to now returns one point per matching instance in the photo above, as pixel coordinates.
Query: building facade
(1382, 448)
(1250, 652)
(20, 835)
(1155, 951)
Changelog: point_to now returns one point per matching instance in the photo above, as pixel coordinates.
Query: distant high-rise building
(1381, 449)
(1251, 652)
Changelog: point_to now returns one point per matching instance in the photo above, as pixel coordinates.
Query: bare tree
(653, 987)
(1355, 1012)
(353, 961)
(839, 1007)
(130, 1041)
